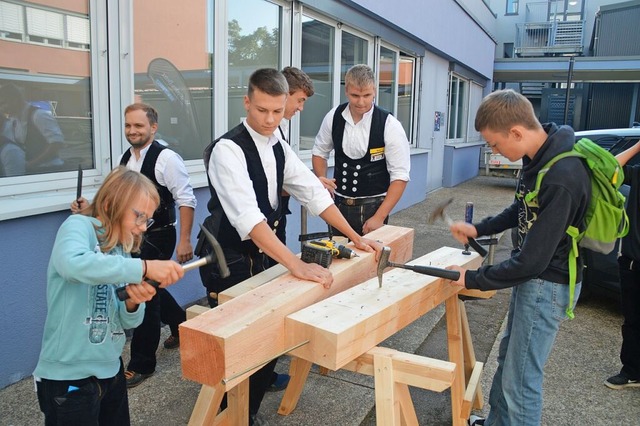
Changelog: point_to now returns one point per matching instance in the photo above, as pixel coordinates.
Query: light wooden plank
(252, 283)
(343, 327)
(410, 369)
(387, 407)
(238, 404)
(408, 414)
(469, 354)
(299, 371)
(473, 387)
(224, 342)
(195, 310)
(456, 355)
(478, 294)
(207, 404)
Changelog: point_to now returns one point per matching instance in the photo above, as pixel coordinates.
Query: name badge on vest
(377, 154)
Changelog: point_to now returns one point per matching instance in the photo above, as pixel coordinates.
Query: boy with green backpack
(539, 269)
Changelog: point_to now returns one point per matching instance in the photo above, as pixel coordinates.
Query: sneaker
(476, 420)
(257, 420)
(280, 383)
(621, 381)
(172, 342)
(134, 379)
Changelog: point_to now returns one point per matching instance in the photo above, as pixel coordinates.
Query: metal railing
(549, 38)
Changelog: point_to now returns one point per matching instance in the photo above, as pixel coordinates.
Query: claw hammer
(425, 270)
(216, 255)
(439, 213)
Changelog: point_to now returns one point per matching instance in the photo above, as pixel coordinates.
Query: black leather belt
(160, 228)
(358, 201)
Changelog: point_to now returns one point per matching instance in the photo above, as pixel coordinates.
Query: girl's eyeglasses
(142, 219)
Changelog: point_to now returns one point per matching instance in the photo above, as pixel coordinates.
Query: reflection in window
(317, 62)
(254, 42)
(457, 116)
(45, 112)
(387, 78)
(175, 76)
(354, 51)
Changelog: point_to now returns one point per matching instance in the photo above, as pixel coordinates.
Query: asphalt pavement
(585, 354)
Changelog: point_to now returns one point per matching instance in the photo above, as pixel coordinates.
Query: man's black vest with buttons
(366, 176)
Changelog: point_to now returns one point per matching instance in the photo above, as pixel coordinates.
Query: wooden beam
(252, 283)
(343, 327)
(225, 343)
(195, 310)
(207, 404)
(409, 369)
(473, 388)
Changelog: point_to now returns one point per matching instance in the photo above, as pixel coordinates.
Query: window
(11, 21)
(508, 50)
(354, 51)
(175, 76)
(458, 111)
(387, 78)
(253, 44)
(396, 74)
(46, 104)
(475, 97)
(318, 62)
(512, 7)
(406, 98)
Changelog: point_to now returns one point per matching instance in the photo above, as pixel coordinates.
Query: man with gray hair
(248, 168)
(371, 154)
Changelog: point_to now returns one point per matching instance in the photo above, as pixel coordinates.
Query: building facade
(586, 51)
(83, 61)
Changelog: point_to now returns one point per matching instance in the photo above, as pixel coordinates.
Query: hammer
(216, 254)
(426, 270)
(439, 213)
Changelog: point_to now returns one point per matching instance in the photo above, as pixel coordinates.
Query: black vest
(166, 212)
(224, 232)
(368, 175)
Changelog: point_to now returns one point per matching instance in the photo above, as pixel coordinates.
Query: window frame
(29, 195)
(515, 5)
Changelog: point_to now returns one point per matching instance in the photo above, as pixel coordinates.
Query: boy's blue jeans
(85, 402)
(536, 310)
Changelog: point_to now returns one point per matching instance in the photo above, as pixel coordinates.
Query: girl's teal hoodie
(84, 330)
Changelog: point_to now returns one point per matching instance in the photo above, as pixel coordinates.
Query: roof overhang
(590, 69)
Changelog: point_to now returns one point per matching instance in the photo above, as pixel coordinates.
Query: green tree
(257, 48)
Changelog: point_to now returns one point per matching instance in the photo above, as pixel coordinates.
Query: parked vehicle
(601, 271)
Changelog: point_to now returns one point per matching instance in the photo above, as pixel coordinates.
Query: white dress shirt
(170, 172)
(229, 175)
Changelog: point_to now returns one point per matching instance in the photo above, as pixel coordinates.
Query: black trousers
(358, 215)
(85, 402)
(158, 245)
(630, 294)
(242, 266)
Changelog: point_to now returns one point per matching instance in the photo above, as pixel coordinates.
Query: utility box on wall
(461, 162)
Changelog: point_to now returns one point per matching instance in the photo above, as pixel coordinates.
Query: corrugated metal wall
(609, 106)
(618, 33)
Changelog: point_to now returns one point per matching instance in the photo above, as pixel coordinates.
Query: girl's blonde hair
(113, 201)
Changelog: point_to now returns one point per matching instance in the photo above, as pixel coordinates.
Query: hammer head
(216, 253)
(383, 263)
(438, 213)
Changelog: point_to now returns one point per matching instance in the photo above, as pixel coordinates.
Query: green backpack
(606, 219)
